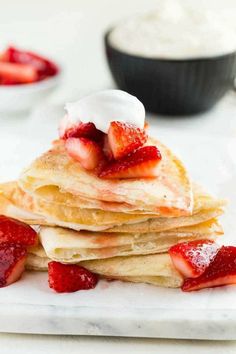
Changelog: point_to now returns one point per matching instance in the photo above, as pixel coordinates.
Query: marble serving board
(122, 309)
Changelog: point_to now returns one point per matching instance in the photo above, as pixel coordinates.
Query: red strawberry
(221, 271)
(86, 151)
(192, 258)
(85, 130)
(43, 66)
(12, 262)
(67, 278)
(16, 232)
(140, 163)
(125, 138)
(18, 73)
(107, 149)
(80, 130)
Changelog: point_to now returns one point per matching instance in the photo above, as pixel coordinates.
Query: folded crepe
(56, 177)
(68, 246)
(32, 209)
(15, 202)
(154, 269)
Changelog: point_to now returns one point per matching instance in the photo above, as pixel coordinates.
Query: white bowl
(23, 97)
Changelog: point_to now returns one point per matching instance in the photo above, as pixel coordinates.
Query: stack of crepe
(119, 229)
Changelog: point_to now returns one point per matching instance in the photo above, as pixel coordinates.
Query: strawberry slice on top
(192, 258)
(125, 138)
(85, 151)
(107, 149)
(221, 271)
(140, 163)
(81, 130)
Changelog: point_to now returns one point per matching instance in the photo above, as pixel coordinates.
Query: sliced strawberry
(140, 163)
(79, 130)
(85, 130)
(43, 66)
(107, 149)
(16, 232)
(221, 271)
(86, 151)
(67, 278)
(18, 72)
(125, 138)
(192, 258)
(12, 262)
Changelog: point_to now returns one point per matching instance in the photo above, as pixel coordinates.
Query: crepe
(154, 269)
(16, 203)
(205, 208)
(67, 246)
(56, 177)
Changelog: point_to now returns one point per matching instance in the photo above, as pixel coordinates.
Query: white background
(71, 31)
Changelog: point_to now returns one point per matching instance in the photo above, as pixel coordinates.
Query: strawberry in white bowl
(25, 79)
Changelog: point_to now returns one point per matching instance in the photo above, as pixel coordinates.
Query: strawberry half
(12, 263)
(16, 232)
(124, 138)
(192, 258)
(18, 73)
(221, 271)
(140, 163)
(86, 151)
(67, 278)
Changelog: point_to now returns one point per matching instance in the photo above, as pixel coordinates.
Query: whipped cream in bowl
(104, 107)
(176, 30)
(179, 59)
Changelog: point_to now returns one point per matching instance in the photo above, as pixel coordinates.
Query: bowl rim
(45, 83)
(164, 60)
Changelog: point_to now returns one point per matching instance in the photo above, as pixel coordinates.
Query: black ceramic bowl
(173, 87)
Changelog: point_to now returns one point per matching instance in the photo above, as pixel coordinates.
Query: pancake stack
(119, 229)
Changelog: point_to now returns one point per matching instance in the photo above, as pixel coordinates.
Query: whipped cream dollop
(106, 106)
(177, 29)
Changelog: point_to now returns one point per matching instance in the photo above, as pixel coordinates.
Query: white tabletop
(71, 31)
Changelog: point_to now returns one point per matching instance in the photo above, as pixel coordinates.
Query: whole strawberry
(67, 278)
